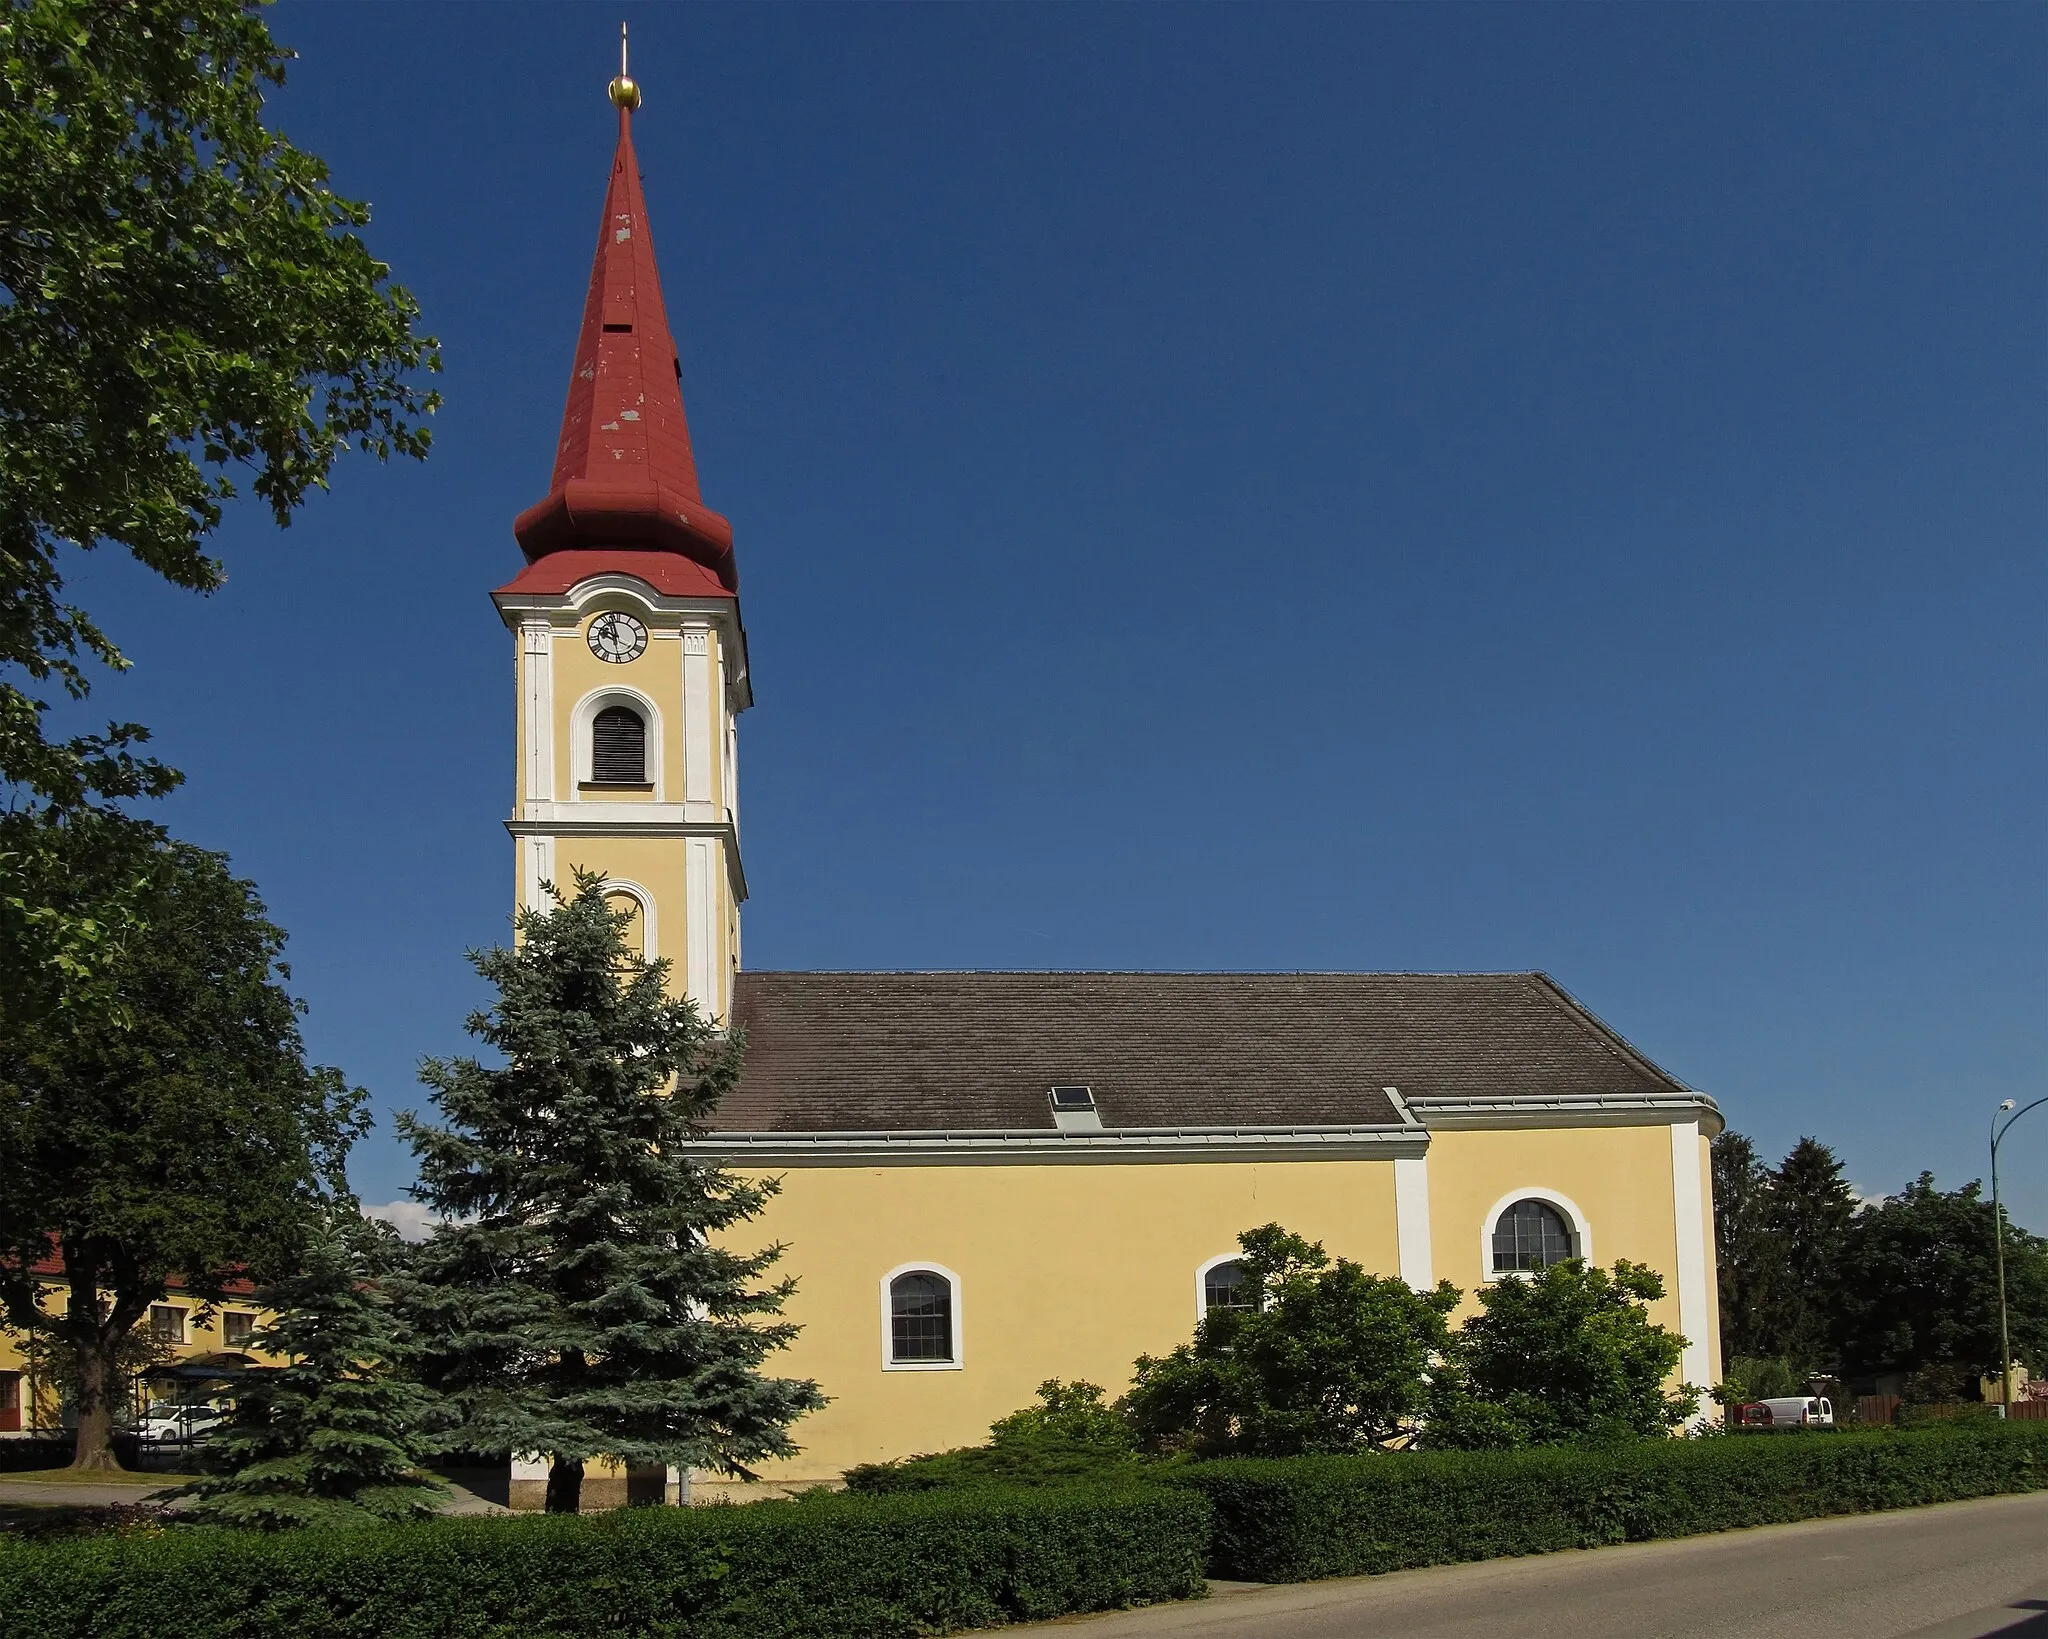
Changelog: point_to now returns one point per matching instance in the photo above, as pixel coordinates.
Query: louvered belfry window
(618, 747)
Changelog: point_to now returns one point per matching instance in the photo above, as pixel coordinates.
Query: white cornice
(1636, 1110)
(655, 819)
(567, 605)
(1115, 1146)
(1129, 1145)
(635, 819)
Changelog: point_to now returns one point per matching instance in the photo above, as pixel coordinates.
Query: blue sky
(1229, 487)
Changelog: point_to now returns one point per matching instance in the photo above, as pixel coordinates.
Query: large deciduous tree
(1329, 1358)
(178, 1129)
(1919, 1285)
(333, 1434)
(584, 1299)
(1566, 1355)
(185, 309)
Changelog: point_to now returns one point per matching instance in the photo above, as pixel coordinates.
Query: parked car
(164, 1423)
(1793, 1412)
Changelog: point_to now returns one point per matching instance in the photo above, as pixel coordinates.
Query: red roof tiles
(624, 472)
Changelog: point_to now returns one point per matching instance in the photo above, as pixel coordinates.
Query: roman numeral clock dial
(617, 638)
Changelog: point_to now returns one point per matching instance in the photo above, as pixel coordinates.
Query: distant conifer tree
(1811, 1209)
(581, 1300)
(332, 1436)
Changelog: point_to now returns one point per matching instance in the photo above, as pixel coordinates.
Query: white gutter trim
(1116, 1145)
(1635, 1110)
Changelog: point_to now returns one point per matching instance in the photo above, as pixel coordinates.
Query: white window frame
(645, 899)
(1202, 1278)
(1582, 1235)
(922, 1266)
(612, 694)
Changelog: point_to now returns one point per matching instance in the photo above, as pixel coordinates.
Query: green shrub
(1325, 1356)
(1567, 1355)
(1296, 1519)
(1945, 1414)
(1072, 1413)
(837, 1566)
(1039, 1461)
(1069, 1436)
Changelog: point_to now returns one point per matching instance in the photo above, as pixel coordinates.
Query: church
(994, 1178)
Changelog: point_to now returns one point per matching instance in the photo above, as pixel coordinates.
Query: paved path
(1959, 1571)
(59, 1493)
(83, 1493)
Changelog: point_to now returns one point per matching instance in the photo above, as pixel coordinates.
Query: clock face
(617, 638)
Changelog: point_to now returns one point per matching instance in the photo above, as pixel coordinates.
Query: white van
(1792, 1412)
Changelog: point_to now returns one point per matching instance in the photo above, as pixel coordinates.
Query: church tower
(631, 661)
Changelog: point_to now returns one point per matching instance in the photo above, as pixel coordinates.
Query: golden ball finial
(623, 91)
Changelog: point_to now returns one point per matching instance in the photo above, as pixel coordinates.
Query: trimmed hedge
(1301, 1518)
(832, 1567)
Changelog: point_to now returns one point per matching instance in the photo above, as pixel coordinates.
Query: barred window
(1531, 1235)
(920, 1317)
(1228, 1286)
(618, 747)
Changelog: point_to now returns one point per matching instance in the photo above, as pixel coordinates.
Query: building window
(1228, 1285)
(1531, 1235)
(920, 1318)
(237, 1328)
(10, 1402)
(618, 747)
(167, 1323)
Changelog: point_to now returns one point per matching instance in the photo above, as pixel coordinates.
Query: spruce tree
(583, 1299)
(1811, 1208)
(332, 1436)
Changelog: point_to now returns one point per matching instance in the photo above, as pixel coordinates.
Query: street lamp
(1998, 1131)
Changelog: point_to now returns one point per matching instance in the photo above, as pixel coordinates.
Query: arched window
(1228, 1285)
(635, 931)
(920, 1318)
(1531, 1234)
(618, 747)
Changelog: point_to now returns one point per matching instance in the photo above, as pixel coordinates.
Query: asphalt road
(1955, 1572)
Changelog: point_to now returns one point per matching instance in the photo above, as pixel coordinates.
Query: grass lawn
(112, 1476)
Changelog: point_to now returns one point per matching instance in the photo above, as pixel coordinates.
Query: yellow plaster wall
(1066, 1270)
(657, 673)
(1618, 1177)
(658, 863)
(204, 1335)
(661, 866)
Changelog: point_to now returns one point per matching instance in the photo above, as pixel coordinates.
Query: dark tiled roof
(865, 1052)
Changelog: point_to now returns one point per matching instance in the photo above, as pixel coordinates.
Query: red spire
(624, 474)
